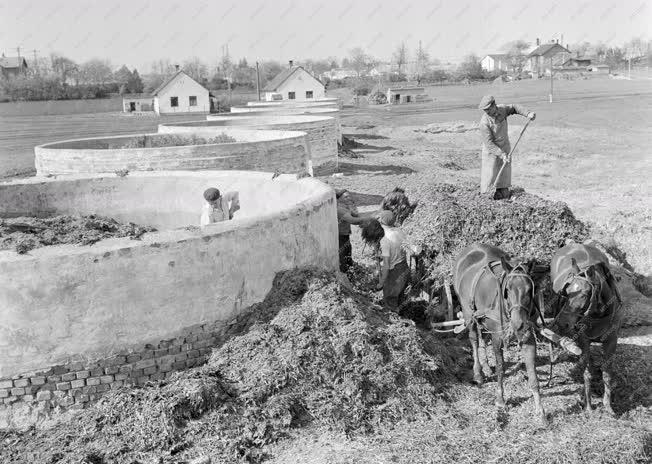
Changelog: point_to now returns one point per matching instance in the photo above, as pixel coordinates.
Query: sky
(137, 32)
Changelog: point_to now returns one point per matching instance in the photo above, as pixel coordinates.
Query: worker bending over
(495, 145)
(347, 214)
(218, 207)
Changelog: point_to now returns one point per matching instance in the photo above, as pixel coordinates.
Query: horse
(497, 296)
(588, 309)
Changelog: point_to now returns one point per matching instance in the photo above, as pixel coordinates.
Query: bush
(379, 98)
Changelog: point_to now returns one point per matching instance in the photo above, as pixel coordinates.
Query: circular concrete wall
(316, 102)
(322, 131)
(61, 304)
(256, 150)
(281, 106)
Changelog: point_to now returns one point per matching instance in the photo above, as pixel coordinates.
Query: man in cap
(219, 207)
(495, 144)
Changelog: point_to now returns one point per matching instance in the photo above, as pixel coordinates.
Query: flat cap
(211, 194)
(486, 102)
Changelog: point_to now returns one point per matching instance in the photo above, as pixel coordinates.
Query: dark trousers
(346, 260)
(394, 288)
(501, 194)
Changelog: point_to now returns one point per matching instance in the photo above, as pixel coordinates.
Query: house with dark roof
(294, 84)
(496, 62)
(546, 56)
(179, 93)
(11, 66)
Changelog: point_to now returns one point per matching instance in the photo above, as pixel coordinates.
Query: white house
(398, 93)
(495, 62)
(180, 93)
(294, 83)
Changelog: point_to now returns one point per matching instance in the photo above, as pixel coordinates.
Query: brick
(179, 365)
(147, 354)
(78, 383)
(44, 395)
(82, 399)
(119, 377)
(132, 358)
(76, 392)
(136, 373)
(6, 383)
(11, 399)
(54, 379)
(126, 369)
(116, 361)
(174, 350)
(145, 363)
(76, 366)
(27, 398)
(59, 370)
(117, 384)
(164, 344)
(186, 347)
(181, 357)
(191, 362)
(97, 372)
(160, 352)
(193, 353)
(201, 344)
(165, 368)
(104, 387)
(37, 380)
(149, 370)
(4, 393)
(106, 379)
(63, 386)
(158, 376)
(48, 386)
(89, 389)
(205, 351)
(93, 381)
(110, 370)
(31, 390)
(68, 377)
(17, 391)
(83, 374)
(21, 383)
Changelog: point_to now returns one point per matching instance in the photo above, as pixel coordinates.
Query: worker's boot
(502, 194)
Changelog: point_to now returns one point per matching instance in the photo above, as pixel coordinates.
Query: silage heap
(313, 353)
(451, 217)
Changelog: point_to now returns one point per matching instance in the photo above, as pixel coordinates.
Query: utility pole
(36, 68)
(551, 79)
(257, 81)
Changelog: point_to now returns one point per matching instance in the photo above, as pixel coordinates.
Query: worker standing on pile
(347, 214)
(394, 274)
(495, 145)
(218, 207)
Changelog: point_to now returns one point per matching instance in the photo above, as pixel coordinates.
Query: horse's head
(581, 293)
(518, 292)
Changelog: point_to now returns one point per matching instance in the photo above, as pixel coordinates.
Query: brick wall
(74, 385)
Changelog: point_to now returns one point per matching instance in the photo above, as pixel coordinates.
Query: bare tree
(96, 71)
(423, 59)
(516, 54)
(358, 60)
(400, 56)
(63, 67)
(196, 69)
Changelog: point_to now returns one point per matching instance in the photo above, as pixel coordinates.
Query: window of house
(192, 100)
(174, 101)
(291, 96)
(308, 93)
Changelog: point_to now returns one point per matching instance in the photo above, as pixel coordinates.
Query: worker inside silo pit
(219, 207)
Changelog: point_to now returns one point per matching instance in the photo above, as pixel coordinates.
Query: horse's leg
(529, 354)
(497, 343)
(484, 361)
(586, 364)
(474, 330)
(608, 349)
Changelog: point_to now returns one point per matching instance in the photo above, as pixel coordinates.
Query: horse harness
(606, 319)
(503, 279)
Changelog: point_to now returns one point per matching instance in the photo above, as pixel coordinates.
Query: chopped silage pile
(451, 217)
(313, 353)
(26, 233)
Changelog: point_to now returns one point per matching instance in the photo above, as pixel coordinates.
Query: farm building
(339, 73)
(12, 66)
(545, 56)
(599, 69)
(180, 93)
(397, 94)
(496, 62)
(294, 83)
(577, 62)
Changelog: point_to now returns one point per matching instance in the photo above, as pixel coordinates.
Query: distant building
(12, 66)
(496, 62)
(405, 93)
(382, 69)
(543, 57)
(180, 93)
(339, 73)
(577, 62)
(294, 84)
(599, 69)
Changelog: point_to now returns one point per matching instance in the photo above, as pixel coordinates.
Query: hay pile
(451, 217)
(311, 353)
(23, 234)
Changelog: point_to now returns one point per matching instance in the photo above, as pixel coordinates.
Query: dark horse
(497, 296)
(589, 308)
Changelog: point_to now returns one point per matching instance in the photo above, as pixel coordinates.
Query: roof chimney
(538, 42)
(291, 63)
(176, 66)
